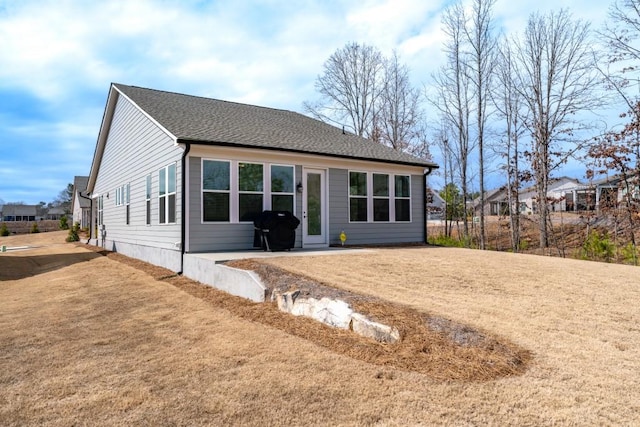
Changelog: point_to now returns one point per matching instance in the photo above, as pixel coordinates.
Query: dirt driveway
(86, 339)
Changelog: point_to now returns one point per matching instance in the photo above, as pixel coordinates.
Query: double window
(235, 191)
(379, 197)
(167, 194)
(123, 194)
(100, 210)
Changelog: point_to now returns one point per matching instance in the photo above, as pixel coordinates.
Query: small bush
(598, 247)
(64, 225)
(4, 231)
(442, 240)
(34, 228)
(73, 233)
(630, 254)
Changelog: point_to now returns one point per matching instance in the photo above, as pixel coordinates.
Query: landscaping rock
(336, 313)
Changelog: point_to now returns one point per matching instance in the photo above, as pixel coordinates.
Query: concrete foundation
(167, 258)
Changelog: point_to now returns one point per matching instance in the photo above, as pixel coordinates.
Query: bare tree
(618, 151)
(557, 79)
(453, 99)
(399, 116)
(349, 87)
(482, 51)
(443, 142)
(621, 34)
(510, 107)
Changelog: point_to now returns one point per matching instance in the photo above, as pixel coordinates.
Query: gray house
(174, 174)
(81, 202)
(12, 213)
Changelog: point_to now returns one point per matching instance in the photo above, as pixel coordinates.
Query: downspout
(183, 219)
(90, 214)
(424, 203)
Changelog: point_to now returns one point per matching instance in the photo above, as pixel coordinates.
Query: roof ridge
(206, 98)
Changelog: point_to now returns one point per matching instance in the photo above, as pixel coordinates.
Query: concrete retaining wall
(237, 282)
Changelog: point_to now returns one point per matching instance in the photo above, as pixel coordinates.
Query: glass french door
(314, 205)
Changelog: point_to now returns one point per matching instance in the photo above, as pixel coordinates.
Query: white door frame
(321, 239)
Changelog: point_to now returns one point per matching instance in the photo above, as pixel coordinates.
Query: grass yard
(87, 339)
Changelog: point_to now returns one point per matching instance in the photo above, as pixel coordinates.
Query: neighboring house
(435, 205)
(559, 192)
(602, 194)
(55, 214)
(174, 174)
(11, 212)
(81, 202)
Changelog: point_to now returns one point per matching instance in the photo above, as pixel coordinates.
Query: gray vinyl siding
(135, 148)
(239, 236)
(368, 232)
(211, 237)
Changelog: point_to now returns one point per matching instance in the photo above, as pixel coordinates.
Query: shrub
(73, 233)
(34, 228)
(64, 225)
(442, 240)
(598, 247)
(4, 231)
(630, 254)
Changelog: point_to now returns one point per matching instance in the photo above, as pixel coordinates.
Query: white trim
(370, 197)
(167, 194)
(148, 197)
(269, 201)
(147, 115)
(307, 241)
(229, 191)
(234, 188)
(239, 192)
(187, 201)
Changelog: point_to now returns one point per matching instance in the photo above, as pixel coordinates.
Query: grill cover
(275, 230)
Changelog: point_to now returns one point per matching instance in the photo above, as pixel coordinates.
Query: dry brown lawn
(87, 339)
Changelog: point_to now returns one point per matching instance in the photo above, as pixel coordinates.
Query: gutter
(424, 203)
(183, 219)
(90, 214)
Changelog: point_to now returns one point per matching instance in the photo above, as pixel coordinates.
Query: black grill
(275, 230)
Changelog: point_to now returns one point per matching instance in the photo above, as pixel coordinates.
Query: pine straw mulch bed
(430, 345)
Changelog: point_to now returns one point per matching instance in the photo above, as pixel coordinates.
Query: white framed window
(119, 196)
(216, 191)
(402, 198)
(167, 194)
(127, 197)
(236, 191)
(282, 188)
(148, 200)
(250, 191)
(100, 210)
(379, 197)
(358, 201)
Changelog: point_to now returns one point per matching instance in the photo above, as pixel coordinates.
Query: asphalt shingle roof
(211, 121)
(80, 184)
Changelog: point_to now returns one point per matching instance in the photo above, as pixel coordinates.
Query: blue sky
(57, 59)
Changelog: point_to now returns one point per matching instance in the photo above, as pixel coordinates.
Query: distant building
(81, 202)
(12, 212)
(55, 214)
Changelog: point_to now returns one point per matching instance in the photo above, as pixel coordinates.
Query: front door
(314, 208)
